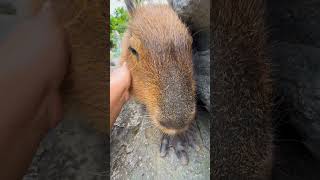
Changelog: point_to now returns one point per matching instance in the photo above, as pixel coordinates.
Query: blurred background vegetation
(118, 24)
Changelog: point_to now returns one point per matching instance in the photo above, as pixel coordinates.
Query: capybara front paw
(180, 144)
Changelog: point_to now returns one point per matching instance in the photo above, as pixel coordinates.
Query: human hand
(120, 82)
(33, 64)
(34, 57)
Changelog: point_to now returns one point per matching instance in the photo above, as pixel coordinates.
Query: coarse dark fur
(241, 134)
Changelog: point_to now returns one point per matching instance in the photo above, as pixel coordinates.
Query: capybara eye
(134, 52)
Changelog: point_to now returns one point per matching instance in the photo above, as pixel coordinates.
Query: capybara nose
(173, 124)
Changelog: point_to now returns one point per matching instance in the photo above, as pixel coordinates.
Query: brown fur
(241, 126)
(85, 90)
(162, 75)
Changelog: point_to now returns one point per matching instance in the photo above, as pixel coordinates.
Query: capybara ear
(130, 6)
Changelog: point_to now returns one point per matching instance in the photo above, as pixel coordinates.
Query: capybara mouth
(172, 130)
(171, 125)
(175, 126)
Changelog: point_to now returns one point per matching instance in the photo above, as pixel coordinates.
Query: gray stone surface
(194, 13)
(72, 150)
(135, 149)
(201, 61)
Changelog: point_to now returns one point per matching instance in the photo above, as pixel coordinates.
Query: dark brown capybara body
(241, 133)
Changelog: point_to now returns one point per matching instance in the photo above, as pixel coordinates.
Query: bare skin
(32, 67)
(120, 82)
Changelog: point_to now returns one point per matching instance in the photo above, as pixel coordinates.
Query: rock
(196, 15)
(135, 149)
(201, 61)
(73, 150)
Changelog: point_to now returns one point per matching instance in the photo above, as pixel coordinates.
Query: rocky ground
(135, 149)
(72, 150)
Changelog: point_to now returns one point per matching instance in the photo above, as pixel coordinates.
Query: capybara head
(157, 48)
